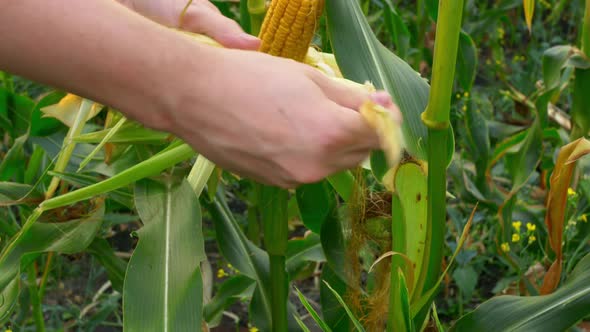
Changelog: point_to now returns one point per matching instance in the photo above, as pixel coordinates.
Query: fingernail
(382, 98)
(249, 38)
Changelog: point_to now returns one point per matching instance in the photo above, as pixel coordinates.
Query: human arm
(270, 119)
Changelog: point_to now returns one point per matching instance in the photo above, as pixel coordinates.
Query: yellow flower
(253, 329)
(516, 225)
(466, 94)
(584, 218)
(505, 247)
(464, 108)
(498, 62)
(531, 227)
(532, 239)
(458, 96)
(571, 192)
(515, 237)
(221, 273)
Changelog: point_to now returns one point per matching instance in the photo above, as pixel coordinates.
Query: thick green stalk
(257, 10)
(436, 117)
(273, 206)
(279, 292)
(580, 98)
(35, 299)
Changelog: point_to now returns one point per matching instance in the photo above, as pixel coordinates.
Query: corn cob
(289, 26)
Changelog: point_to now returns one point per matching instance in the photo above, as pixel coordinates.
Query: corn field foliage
(106, 225)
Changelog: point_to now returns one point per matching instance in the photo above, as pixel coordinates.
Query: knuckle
(328, 141)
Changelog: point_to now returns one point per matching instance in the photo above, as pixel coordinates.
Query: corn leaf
(163, 288)
(63, 237)
(555, 312)
(529, 11)
(229, 292)
(411, 188)
(361, 57)
(333, 313)
(466, 61)
(315, 202)
(556, 206)
(313, 313)
(301, 252)
(67, 108)
(101, 250)
(351, 316)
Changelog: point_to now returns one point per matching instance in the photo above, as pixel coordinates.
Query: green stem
(45, 275)
(279, 290)
(69, 145)
(273, 206)
(257, 10)
(436, 117)
(580, 98)
(437, 186)
(35, 300)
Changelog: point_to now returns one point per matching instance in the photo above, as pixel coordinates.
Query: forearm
(97, 49)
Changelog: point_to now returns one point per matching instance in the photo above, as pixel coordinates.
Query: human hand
(201, 16)
(274, 120)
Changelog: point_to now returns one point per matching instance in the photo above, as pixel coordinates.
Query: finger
(209, 21)
(384, 99)
(355, 132)
(343, 94)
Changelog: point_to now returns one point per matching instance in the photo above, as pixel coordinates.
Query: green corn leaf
(316, 317)
(555, 312)
(115, 266)
(351, 316)
(361, 57)
(62, 237)
(315, 202)
(163, 289)
(466, 61)
(121, 195)
(229, 292)
(128, 133)
(302, 251)
(411, 189)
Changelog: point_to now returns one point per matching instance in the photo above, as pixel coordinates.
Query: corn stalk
(581, 99)
(437, 119)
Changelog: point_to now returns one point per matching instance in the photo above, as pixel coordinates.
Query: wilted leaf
(67, 109)
(556, 206)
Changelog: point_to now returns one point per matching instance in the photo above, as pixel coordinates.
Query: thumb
(209, 21)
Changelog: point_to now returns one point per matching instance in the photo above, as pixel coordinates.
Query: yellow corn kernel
(289, 26)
